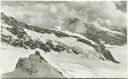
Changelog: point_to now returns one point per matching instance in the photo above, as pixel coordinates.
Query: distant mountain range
(94, 32)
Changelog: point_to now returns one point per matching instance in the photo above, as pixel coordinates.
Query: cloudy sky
(49, 14)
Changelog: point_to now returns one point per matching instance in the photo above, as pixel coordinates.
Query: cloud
(53, 9)
(104, 11)
(51, 14)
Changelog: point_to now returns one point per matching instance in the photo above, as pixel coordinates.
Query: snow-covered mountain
(94, 32)
(66, 54)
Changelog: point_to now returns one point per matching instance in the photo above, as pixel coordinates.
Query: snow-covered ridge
(33, 37)
(77, 35)
(67, 52)
(94, 32)
(106, 29)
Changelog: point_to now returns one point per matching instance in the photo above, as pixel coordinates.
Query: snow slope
(33, 67)
(71, 66)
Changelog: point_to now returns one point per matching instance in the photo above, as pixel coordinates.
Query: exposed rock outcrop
(35, 66)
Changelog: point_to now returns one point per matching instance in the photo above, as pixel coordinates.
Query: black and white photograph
(63, 39)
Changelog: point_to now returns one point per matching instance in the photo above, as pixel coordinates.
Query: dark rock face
(85, 41)
(37, 53)
(57, 48)
(28, 65)
(106, 53)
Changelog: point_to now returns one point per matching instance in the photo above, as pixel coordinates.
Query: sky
(49, 14)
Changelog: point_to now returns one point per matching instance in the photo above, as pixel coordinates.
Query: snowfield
(80, 67)
(71, 66)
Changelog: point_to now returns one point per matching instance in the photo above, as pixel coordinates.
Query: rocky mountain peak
(31, 66)
(94, 32)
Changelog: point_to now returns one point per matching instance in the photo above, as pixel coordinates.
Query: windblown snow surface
(71, 66)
